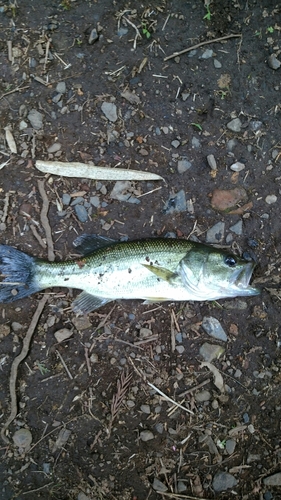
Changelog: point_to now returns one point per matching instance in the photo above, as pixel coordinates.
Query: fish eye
(230, 261)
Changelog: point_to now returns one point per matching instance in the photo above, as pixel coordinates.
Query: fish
(154, 270)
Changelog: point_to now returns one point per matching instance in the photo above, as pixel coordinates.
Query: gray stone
(36, 119)
(61, 88)
(212, 162)
(237, 228)
(23, 438)
(237, 166)
(57, 98)
(66, 199)
(159, 486)
(213, 328)
(81, 213)
(216, 233)
(207, 54)
(180, 349)
(176, 203)
(217, 64)
(146, 436)
(175, 143)
(223, 481)
(16, 327)
(231, 145)
(209, 352)
(271, 198)
(195, 142)
(273, 62)
(273, 480)
(109, 110)
(235, 125)
(145, 409)
(54, 147)
(230, 446)
(183, 166)
(95, 201)
(203, 396)
(93, 37)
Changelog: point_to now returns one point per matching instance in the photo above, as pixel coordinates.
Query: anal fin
(85, 303)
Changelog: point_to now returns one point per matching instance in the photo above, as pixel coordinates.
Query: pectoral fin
(85, 303)
(161, 272)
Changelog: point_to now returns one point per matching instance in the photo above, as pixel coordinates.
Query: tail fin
(18, 271)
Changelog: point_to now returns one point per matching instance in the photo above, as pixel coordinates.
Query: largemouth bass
(154, 270)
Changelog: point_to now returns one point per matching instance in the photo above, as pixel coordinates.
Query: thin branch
(175, 54)
(15, 365)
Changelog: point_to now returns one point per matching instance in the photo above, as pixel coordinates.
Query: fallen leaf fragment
(218, 380)
(77, 169)
(10, 140)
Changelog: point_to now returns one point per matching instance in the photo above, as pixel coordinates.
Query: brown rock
(227, 199)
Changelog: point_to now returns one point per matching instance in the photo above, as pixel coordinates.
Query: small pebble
(159, 486)
(63, 334)
(175, 143)
(54, 147)
(217, 64)
(61, 88)
(146, 436)
(271, 198)
(223, 481)
(273, 62)
(110, 111)
(202, 396)
(237, 228)
(81, 213)
(237, 167)
(180, 349)
(212, 162)
(36, 119)
(23, 438)
(235, 125)
(273, 480)
(145, 409)
(66, 199)
(207, 54)
(16, 327)
(209, 352)
(213, 328)
(216, 233)
(183, 166)
(230, 445)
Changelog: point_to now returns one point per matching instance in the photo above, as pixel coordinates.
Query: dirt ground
(91, 404)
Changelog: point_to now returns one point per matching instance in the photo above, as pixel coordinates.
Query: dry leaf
(218, 380)
(77, 169)
(224, 81)
(10, 140)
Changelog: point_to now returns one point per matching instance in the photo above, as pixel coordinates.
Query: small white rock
(271, 198)
(237, 166)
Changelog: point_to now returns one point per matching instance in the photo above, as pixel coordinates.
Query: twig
(45, 221)
(15, 365)
(17, 89)
(138, 35)
(37, 236)
(64, 365)
(179, 495)
(169, 399)
(175, 54)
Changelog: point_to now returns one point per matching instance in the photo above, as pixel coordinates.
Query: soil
(125, 439)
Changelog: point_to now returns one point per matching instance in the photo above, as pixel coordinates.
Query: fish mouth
(241, 279)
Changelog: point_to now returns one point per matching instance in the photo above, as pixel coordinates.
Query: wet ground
(99, 429)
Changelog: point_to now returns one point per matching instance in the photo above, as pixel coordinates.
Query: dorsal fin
(88, 243)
